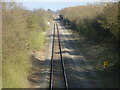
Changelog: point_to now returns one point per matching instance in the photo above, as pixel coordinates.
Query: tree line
(99, 23)
(95, 21)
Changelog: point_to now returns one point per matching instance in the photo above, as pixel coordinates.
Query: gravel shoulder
(41, 61)
(79, 73)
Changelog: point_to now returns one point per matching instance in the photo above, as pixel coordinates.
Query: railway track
(58, 77)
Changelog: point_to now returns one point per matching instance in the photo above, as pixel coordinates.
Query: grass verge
(96, 54)
(22, 34)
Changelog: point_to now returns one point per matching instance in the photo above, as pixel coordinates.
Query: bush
(99, 23)
(22, 33)
(94, 21)
(109, 19)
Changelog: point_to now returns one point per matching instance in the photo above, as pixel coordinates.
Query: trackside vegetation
(21, 34)
(94, 20)
(99, 25)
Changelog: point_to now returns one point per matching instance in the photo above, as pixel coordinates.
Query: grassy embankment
(98, 24)
(22, 33)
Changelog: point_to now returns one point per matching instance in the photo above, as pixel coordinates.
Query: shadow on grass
(78, 75)
(39, 75)
(93, 52)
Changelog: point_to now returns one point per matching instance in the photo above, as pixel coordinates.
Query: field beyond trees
(22, 34)
(99, 25)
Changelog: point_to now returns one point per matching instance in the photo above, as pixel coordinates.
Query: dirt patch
(40, 66)
(37, 69)
(96, 54)
(79, 73)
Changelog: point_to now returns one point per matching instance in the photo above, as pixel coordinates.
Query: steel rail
(52, 58)
(62, 61)
(51, 71)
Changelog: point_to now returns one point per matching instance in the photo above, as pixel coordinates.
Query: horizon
(54, 6)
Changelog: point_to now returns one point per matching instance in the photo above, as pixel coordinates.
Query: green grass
(14, 69)
(109, 80)
(96, 54)
(22, 34)
(99, 26)
(16, 63)
(0, 70)
(0, 62)
(36, 40)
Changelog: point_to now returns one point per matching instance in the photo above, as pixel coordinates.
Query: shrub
(94, 21)
(22, 33)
